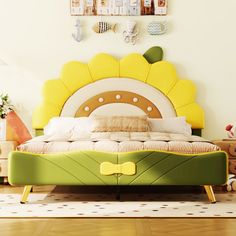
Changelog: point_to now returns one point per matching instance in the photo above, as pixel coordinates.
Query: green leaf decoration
(153, 54)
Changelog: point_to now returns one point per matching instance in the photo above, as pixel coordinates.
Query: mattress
(119, 142)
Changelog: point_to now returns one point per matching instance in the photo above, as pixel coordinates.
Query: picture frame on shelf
(160, 7)
(118, 7)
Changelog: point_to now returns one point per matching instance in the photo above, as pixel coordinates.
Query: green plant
(5, 106)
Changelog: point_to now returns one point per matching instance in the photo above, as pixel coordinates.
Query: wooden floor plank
(118, 227)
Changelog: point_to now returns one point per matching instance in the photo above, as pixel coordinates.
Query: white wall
(35, 36)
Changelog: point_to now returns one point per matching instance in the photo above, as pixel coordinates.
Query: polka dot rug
(130, 205)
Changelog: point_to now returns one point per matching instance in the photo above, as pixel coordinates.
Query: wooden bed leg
(210, 193)
(25, 194)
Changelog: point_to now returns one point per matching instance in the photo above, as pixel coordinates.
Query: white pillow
(83, 124)
(58, 125)
(177, 125)
(65, 125)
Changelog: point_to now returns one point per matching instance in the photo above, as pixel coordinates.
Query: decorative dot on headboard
(101, 99)
(86, 108)
(118, 96)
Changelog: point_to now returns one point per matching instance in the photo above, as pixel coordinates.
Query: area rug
(105, 205)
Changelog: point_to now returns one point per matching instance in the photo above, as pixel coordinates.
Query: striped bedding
(119, 142)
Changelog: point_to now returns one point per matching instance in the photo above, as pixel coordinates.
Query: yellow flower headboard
(160, 75)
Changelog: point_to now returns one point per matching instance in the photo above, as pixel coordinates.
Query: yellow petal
(194, 115)
(103, 66)
(182, 93)
(43, 113)
(134, 66)
(75, 75)
(55, 92)
(162, 76)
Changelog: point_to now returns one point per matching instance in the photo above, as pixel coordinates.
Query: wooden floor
(111, 227)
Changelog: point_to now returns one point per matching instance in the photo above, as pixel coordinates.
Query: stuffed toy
(231, 183)
(231, 130)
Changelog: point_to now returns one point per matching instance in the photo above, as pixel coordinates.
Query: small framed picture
(76, 8)
(160, 7)
(82, 7)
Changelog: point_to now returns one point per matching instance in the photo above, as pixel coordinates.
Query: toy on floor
(78, 35)
(231, 183)
(131, 33)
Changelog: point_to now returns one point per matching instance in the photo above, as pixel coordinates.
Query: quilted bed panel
(69, 168)
(165, 168)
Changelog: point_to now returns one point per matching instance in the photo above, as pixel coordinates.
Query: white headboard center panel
(123, 84)
(118, 109)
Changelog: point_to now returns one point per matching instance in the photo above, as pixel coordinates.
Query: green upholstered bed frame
(133, 168)
(151, 168)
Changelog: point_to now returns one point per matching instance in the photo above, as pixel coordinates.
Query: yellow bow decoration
(108, 168)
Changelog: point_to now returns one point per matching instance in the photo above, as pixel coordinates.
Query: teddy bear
(231, 183)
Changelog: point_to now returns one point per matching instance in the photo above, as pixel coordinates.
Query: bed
(108, 87)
